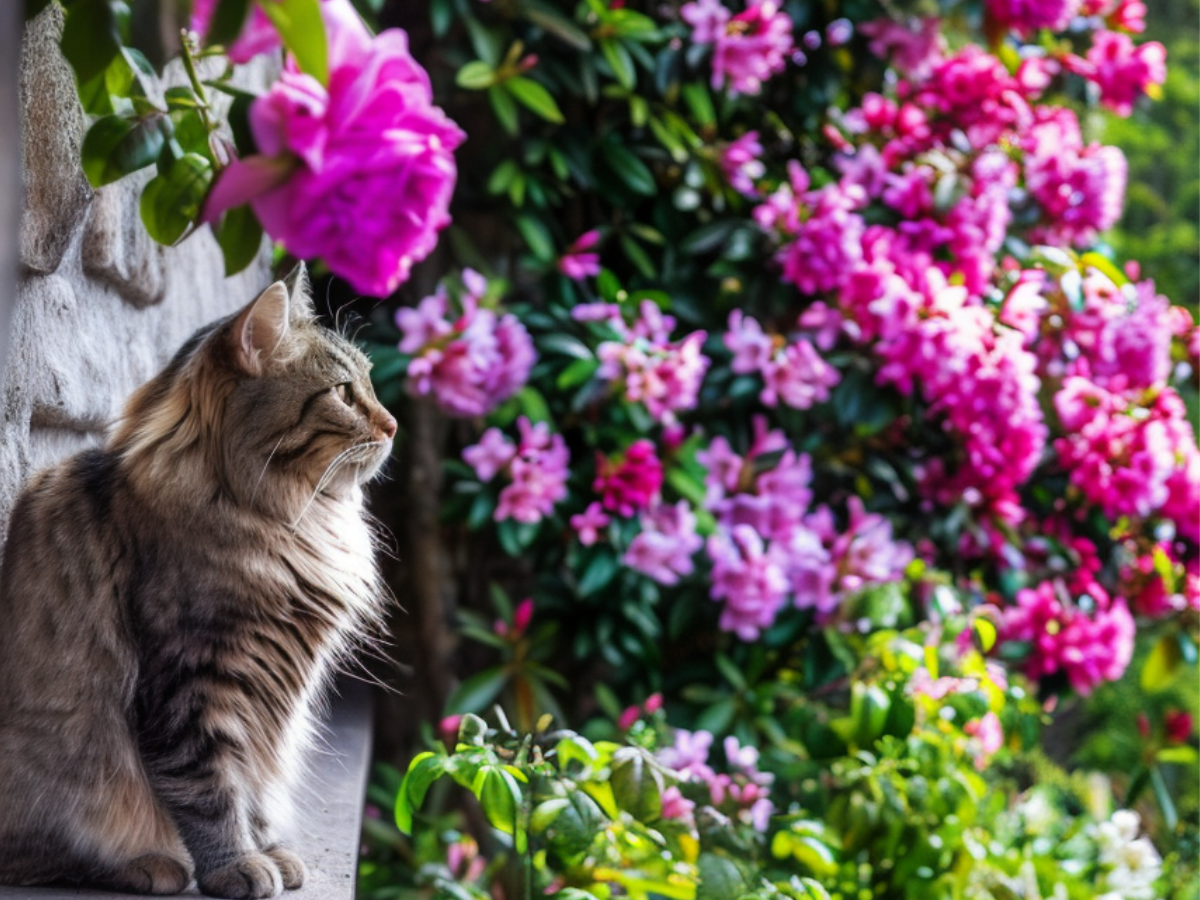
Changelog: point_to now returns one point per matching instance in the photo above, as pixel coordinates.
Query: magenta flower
(988, 734)
(1027, 16)
(1088, 649)
(689, 755)
(628, 485)
(798, 377)
(752, 348)
(748, 48)
(663, 549)
(1123, 72)
(915, 47)
(359, 172)
(493, 452)
(470, 362)
(588, 523)
(578, 263)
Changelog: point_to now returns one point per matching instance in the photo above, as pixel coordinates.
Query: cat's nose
(388, 425)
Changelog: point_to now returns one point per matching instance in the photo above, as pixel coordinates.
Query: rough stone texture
(56, 192)
(99, 305)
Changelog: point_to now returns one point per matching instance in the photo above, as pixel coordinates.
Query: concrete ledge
(328, 814)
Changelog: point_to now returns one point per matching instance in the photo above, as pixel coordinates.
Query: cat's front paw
(291, 867)
(250, 877)
(153, 873)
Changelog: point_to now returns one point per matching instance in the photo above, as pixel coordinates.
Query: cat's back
(66, 566)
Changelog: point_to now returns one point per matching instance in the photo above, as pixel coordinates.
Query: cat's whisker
(263, 473)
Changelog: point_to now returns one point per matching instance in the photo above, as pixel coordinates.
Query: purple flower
(588, 523)
(1027, 16)
(577, 263)
(741, 161)
(493, 452)
(537, 466)
(750, 578)
(470, 362)
(359, 172)
(664, 547)
(915, 47)
(752, 348)
(689, 755)
(798, 377)
(1122, 70)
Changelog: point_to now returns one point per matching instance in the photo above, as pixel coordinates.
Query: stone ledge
(328, 810)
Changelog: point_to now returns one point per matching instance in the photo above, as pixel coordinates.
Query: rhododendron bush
(782, 367)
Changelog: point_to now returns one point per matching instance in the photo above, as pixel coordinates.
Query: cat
(172, 605)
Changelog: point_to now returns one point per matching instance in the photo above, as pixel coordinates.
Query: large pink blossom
(628, 484)
(748, 48)
(359, 171)
(750, 577)
(470, 362)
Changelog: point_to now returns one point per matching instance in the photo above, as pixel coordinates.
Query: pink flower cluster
(664, 376)
(1063, 637)
(769, 547)
(1026, 16)
(663, 549)
(794, 374)
(748, 48)
(358, 171)
(744, 795)
(741, 161)
(537, 468)
(1121, 70)
(470, 362)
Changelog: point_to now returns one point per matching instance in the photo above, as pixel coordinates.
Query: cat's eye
(344, 393)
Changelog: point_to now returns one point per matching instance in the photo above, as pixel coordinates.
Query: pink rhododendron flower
(741, 161)
(676, 806)
(989, 734)
(1026, 16)
(794, 374)
(1088, 649)
(627, 485)
(689, 755)
(470, 362)
(663, 549)
(578, 262)
(358, 172)
(750, 577)
(1122, 70)
(588, 523)
(914, 47)
(663, 375)
(537, 466)
(748, 48)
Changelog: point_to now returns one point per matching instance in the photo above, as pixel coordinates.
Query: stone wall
(99, 306)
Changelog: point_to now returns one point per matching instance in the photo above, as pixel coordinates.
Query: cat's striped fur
(171, 607)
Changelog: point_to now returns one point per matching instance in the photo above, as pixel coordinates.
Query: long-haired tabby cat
(171, 606)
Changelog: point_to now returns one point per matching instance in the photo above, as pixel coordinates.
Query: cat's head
(276, 408)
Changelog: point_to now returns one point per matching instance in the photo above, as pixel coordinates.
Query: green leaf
(537, 237)
(555, 23)
(533, 404)
(477, 692)
(1181, 755)
(1165, 802)
(239, 235)
(565, 344)
(636, 255)
(441, 15)
(300, 25)
(505, 108)
(578, 372)
(91, 37)
(984, 634)
(699, 101)
(1105, 265)
(720, 878)
(475, 76)
(634, 173)
(114, 147)
(619, 61)
(599, 573)
(502, 177)
(535, 97)
(171, 200)
(227, 22)
(423, 771)
(500, 796)
(1160, 667)
(637, 786)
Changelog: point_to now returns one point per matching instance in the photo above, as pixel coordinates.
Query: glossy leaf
(171, 200)
(300, 25)
(91, 38)
(534, 97)
(239, 236)
(114, 147)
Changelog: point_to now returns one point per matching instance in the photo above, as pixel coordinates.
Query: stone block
(56, 191)
(116, 247)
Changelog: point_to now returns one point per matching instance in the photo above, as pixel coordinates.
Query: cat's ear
(300, 293)
(260, 327)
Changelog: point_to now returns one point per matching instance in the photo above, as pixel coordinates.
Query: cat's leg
(199, 782)
(150, 873)
(291, 867)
